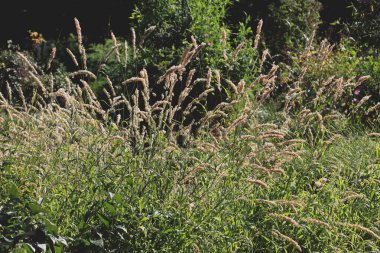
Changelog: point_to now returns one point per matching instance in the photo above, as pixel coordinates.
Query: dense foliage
(194, 132)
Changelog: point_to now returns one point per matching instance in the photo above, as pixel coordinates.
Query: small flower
(209, 44)
(357, 92)
(36, 38)
(354, 100)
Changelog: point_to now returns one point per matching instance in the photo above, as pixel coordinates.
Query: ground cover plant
(103, 156)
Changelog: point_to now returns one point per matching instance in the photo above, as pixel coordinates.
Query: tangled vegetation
(194, 158)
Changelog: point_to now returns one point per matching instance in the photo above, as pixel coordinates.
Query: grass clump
(171, 170)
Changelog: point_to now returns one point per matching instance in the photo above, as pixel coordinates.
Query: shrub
(129, 174)
(365, 25)
(176, 20)
(287, 23)
(18, 71)
(220, 58)
(328, 80)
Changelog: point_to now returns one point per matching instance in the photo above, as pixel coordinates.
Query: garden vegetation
(189, 135)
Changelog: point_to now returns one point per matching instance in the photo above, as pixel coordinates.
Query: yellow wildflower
(36, 38)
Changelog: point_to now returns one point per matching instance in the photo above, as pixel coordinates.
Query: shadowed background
(54, 19)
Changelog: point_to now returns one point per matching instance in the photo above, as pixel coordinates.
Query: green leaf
(51, 227)
(14, 192)
(35, 208)
(58, 249)
(19, 250)
(129, 181)
(110, 208)
(118, 198)
(103, 220)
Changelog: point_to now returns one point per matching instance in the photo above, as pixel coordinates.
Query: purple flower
(357, 92)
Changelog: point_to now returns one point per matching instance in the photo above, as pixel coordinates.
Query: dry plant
(287, 238)
(143, 113)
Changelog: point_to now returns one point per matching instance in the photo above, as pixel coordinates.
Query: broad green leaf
(14, 191)
(103, 220)
(35, 208)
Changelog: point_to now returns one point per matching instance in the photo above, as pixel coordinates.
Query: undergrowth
(204, 164)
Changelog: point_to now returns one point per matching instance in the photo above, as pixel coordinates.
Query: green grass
(67, 182)
(266, 170)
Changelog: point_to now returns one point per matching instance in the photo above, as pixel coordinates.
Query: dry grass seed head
(83, 73)
(109, 82)
(373, 108)
(286, 218)
(209, 76)
(241, 86)
(9, 91)
(240, 120)
(316, 221)
(133, 80)
(25, 59)
(353, 195)
(125, 53)
(258, 34)
(218, 79)
(72, 56)
(290, 203)
(362, 101)
(81, 48)
(233, 86)
(265, 201)
(374, 134)
(193, 172)
(115, 44)
(361, 228)
(361, 80)
(22, 97)
(257, 182)
(287, 238)
(237, 50)
(146, 34)
(51, 57)
(134, 49)
(224, 37)
(38, 82)
(264, 56)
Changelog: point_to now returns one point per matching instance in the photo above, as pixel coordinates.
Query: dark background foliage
(54, 18)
